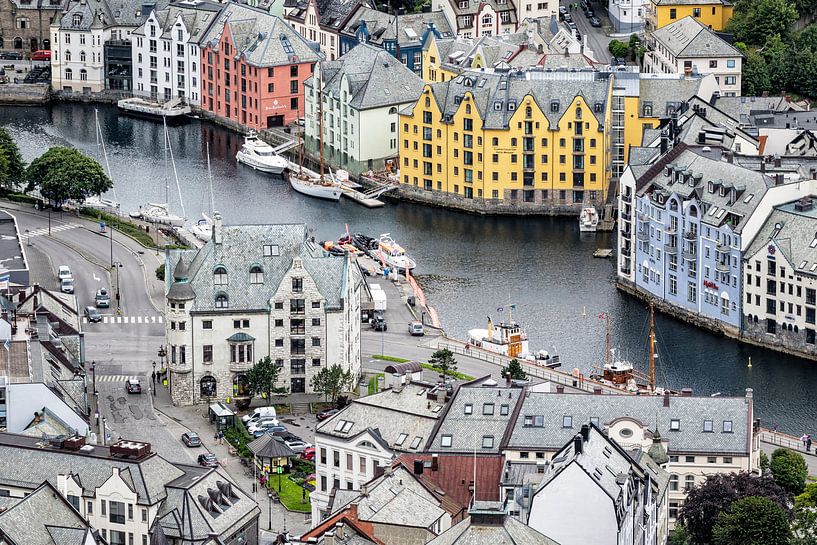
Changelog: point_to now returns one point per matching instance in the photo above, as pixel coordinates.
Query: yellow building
(507, 139)
(715, 14)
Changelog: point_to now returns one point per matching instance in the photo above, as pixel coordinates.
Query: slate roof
(105, 13)
(387, 415)
(690, 411)
(715, 174)
(375, 78)
(662, 93)
(243, 247)
(505, 530)
(412, 27)
(643, 155)
(468, 431)
(687, 37)
(44, 517)
(269, 446)
(262, 39)
(744, 108)
(197, 18)
(496, 96)
(332, 14)
(796, 237)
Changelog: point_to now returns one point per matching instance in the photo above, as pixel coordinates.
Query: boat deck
(603, 253)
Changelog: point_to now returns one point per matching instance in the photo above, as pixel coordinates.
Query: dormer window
(76, 19)
(648, 110)
(271, 250)
(598, 107)
(222, 301)
(722, 191)
(511, 105)
(256, 275)
(498, 105)
(709, 427)
(554, 106)
(220, 276)
(674, 424)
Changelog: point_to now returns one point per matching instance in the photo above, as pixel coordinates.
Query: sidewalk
(194, 418)
(771, 440)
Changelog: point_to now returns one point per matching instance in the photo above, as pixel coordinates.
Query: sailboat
(159, 213)
(305, 181)
(98, 202)
(203, 229)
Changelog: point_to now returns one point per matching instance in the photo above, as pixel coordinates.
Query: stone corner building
(254, 291)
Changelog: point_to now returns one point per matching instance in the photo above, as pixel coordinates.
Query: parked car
(208, 459)
(132, 386)
(258, 418)
(262, 424)
(272, 430)
(102, 299)
(259, 411)
(297, 445)
(567, 18)
(416, 329)
(308, 454)
(67, 285)
(327, 413)
(11, 55)
(93, 314)
(563, 13)
(191, 439)
(41, 55)
(64, 272)
(594, 21)
(589, 13)
(379, 323)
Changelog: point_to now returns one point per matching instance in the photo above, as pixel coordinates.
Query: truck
(378, 297)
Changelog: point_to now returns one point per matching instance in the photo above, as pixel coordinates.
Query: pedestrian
(220, 437)
(153, 376)
(808, 443)
(803, 439)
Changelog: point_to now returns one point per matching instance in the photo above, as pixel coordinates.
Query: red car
(309, 454)
(41, 55)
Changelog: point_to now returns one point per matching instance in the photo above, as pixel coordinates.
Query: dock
(603, 253)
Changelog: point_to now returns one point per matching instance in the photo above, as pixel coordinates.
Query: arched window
(693, 211)
(673, 205)
(468, 109)
(578, 113)
(392, 110)
(220, 276)
(83, 75)
(256, 274)
(241, 385)
(428, 102)
(222, 301)
(77, 19)
(67, 55)
(82, 56)
(68, 74)
(528, 112)
(208, 386)
(18, 43)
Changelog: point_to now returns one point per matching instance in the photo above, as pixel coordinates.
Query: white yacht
(588, 220)
(259, 155)
(310, 183)
(392, 254)
(158, 213)
(203, 229)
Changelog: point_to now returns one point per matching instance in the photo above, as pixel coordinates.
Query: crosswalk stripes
(115, 378)
(56, 229)
(129, 320)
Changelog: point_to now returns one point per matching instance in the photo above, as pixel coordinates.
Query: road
(597, 40)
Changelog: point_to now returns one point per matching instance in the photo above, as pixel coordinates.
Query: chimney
(585, 432)
(435, 462)
(730, 157)
(664, 142)
(762, 166)
(778, 162)
(329, 538)
(387, 470)
(686, 392)
(560, 389)
(364, 490)
(418, 467)
(778, 178)
(441, 395)
(217, 236)
(596, 390)
(666, 399)
(577, 444)
(339, 530)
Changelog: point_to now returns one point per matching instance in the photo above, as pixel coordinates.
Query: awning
(220, 409)
(240, 337)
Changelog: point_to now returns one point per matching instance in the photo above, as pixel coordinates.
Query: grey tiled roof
(718, 173)
(690, 411)
(687, 37)
(105, 13)
(242, 247)
(643, 155)
(411, 26)
(509, 532)
(197, 19)
(332, 14)
(744, 108)
(39, 4)
(661, 93)
(269, 446)
(375, 78)
(795, 237)
(262, 39)
(468, 430)
(44, 517)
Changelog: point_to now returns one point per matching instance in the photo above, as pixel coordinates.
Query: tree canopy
(262, 378)
(514, 370)
(755, 20)
(754, 520)
(65, 173)
(12, 167)
(789, 470)
(444, 360)
(332, 381)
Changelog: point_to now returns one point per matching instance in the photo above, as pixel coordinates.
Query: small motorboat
(203, 229)
(102, 204)
(159, 214)
(332, 248)
(392, 254)
(261, 156)
(365, 244)
(172, 111)
(588, 220)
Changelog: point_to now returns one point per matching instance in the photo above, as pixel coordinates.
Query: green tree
(262, 378)
(764, 461)
(789, 470)
(678, 536)
(802, 71)
(332, 381)
(618, 48)
(804, 526)
(776, 54)
(65, 173)
(12, 167)
(754, 520)
(808, 498)
(755, 20)
(444, 361)
(807, 38)
(755, 73)
(514, 370)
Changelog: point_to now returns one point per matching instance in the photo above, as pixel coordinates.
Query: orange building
(253, 67)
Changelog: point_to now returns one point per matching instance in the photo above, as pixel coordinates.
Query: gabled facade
(627, 16)
(475, 18)
(321, 21)
(25, 24)
(255, 291)
(714, 14)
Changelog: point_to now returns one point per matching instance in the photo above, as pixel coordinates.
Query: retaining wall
(24, 93)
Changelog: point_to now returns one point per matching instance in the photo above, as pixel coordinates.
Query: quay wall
(24, 93)
(713, 326)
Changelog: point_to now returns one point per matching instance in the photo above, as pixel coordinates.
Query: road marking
(96, 277)
(129, 320)
(56, 229)
(115, 378)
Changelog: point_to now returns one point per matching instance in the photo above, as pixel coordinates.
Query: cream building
(77, 60)
(255, 291)
(322, 20)
(688, 47)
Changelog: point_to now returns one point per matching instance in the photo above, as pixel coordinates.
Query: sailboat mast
(100, 140)
(300, 144)
(164, 128)
(607, 348)
(210, 180)
(652, 347)
(320, 115)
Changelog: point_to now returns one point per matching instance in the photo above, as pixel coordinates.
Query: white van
(260, 412)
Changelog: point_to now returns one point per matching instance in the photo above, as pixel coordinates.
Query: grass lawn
(373, 383)
(291, 494)
(389, 358)
(453, 374)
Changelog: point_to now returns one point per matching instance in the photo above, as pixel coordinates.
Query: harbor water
(469, 266)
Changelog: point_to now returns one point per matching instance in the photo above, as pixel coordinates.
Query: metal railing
(781, 439)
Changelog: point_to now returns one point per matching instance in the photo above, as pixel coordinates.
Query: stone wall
(790, 342)
(24, 93)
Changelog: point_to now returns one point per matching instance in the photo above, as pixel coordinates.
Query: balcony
(625, 216)
(626, 252)
(672, 230)
(689, 255)
(722, 248)
(301, 330)
(722, 267)
(690, 235)
(643, 235)
(240, 367)
(643, 217)
(180, 368)
(671, 247)
(627, 197)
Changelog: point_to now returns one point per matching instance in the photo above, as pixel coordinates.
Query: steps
(299, 408)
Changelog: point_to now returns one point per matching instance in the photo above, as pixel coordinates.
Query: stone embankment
(12, 94)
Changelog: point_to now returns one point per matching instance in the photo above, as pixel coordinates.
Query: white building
(688, 47)
(476, 18)
(255, 291)
(627, 16)
(166, 58)
(367, 434)
(595, 491)
(363, 91)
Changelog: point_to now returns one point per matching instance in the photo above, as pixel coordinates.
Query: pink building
(253, 68)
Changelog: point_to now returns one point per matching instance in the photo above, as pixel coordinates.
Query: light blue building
(691, 207)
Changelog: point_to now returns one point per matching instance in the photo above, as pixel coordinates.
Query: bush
(754, 520)
(124, 227)
(789, 470)
(238, 437)
(160, 272)
(19, 197)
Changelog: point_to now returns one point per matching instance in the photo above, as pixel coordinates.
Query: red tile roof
(455, 474)
(347, 515)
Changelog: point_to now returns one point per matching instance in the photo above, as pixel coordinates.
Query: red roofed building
(454, 475)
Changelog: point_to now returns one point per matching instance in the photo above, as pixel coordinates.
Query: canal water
(469, 266)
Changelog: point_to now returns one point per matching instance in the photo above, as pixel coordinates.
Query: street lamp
(117, 264)
(269, 495)
(93, 374)
(162, 354)
(104, 432)
(154, 378)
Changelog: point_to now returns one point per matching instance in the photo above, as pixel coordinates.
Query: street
(597, 40)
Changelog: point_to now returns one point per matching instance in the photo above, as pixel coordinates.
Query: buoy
(584, 312)
(750, 362)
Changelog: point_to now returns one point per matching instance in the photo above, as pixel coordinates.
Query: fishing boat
(172, 111)
(506, 338)
(392, 254)
(257, 154)
(588, 220)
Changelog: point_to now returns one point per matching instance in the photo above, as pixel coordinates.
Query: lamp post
(110, 227)
(93, 374)
(117, 264)
(104, 432)
(162, 354)
(154, 378)
(269, 495)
